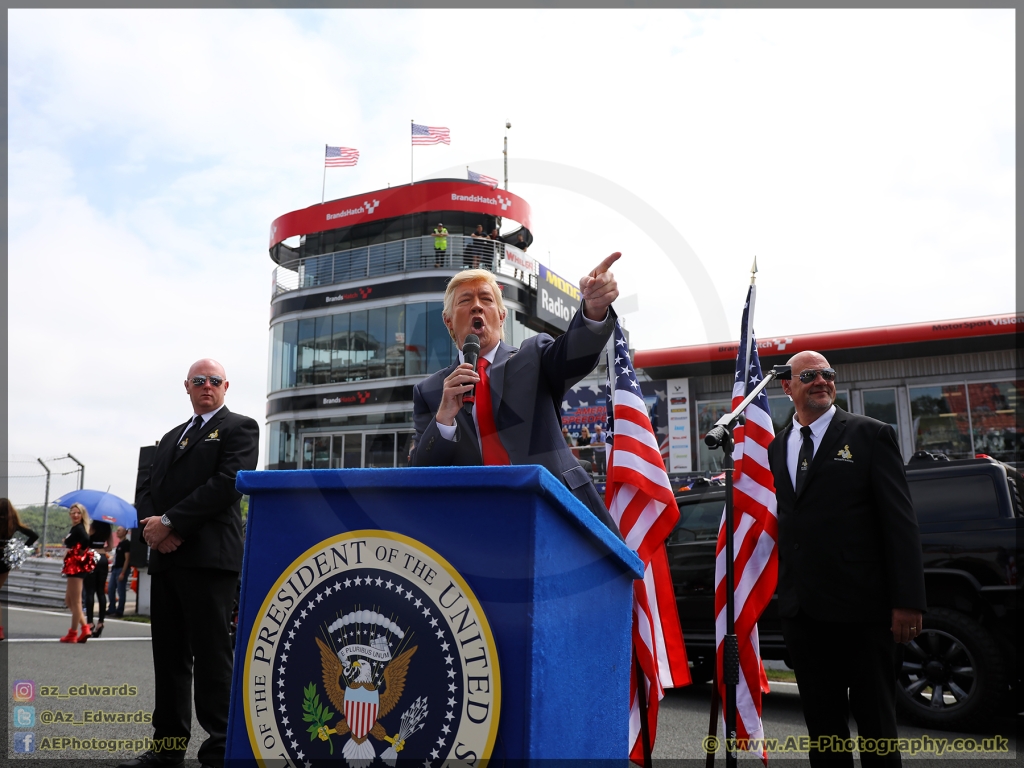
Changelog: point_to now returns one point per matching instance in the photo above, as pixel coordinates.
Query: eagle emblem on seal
(365, 682)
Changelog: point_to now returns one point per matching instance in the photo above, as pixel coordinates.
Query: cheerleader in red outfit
(78, 563)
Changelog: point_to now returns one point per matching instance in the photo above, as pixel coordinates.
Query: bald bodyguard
(189, 515)
(851, 581)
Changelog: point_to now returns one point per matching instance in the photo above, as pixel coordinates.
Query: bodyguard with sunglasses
(851, 582)
(190, 517)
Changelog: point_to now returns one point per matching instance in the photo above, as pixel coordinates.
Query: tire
(958, 659)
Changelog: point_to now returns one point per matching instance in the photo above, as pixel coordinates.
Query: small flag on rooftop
(426, 134)
(340, 156)
(483, 179)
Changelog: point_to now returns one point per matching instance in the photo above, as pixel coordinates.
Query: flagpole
(323, 188)
(750, 318)
(412, 149)
(641, 692)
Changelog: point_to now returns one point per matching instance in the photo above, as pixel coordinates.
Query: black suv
(962, 668)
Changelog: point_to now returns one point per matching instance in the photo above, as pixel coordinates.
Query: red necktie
(490, 444)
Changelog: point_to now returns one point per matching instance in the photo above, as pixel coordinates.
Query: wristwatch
(166, 521)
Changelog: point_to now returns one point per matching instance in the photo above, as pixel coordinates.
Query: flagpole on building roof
(412, 149)
(323, 187)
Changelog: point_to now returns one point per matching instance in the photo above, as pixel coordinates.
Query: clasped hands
(159, 536)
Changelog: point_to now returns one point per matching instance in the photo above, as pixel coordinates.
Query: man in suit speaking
(516, 418)
(189, 513)
(851, 582)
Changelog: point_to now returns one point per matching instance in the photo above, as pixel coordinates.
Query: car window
(940, 499)
(698, 522)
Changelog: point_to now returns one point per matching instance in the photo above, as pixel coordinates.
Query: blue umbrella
(102, 506)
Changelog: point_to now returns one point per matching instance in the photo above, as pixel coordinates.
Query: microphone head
(471, 344)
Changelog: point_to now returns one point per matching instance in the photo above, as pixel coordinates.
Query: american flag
(755, 522)
(474, 176)
(340, 156)
(642, 504)
(426, 134)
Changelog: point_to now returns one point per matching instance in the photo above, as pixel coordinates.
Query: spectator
(521, 243)
(583, 442)
(101, 541)
(600, 443)
(440, 244)
(476, 248)
(568, 438)
(119, 574)
(496, 249)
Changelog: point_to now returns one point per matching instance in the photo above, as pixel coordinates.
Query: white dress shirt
(796, 439)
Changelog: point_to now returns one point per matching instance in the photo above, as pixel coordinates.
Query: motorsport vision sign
(371, 649)
(557, 298)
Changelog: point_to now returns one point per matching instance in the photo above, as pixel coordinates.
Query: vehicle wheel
(953, 675)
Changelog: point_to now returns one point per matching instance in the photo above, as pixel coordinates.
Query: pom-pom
(15, 553)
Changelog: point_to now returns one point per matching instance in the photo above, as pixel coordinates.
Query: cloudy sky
(865, 157)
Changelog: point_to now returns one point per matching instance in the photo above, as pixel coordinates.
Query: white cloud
(865, 157)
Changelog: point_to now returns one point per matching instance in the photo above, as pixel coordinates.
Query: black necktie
(803, 462)
(193, 431)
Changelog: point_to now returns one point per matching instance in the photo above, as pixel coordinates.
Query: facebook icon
(25, 742)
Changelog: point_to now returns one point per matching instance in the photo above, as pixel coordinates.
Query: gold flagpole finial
(753, 271)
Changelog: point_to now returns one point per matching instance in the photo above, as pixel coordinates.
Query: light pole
(46, 504)
(81, 472)
(505, 152)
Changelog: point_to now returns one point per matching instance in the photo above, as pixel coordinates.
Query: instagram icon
(23, 690)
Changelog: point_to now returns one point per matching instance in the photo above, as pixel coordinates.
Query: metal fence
(400, 256)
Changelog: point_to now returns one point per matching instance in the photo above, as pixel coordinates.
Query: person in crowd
(10, 524)
(583, 443)
(521, 243)
(116, 588)
(497, 248)
(79, 563)
(476, 248)
(600, 442)
(515, 419)
(569, 440)
(851, 582)
(440, 244)
(101, 541)
(189, 515)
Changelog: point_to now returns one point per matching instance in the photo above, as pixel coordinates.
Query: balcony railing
(400, 256)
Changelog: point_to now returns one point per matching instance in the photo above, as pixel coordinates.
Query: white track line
(23, 609)
(91, 640)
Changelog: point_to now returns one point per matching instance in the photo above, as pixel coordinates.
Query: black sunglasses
(215, 381)
(828, 374)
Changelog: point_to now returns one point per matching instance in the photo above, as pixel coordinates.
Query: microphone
(470, 354)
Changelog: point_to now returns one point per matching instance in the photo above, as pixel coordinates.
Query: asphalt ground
(122, 660)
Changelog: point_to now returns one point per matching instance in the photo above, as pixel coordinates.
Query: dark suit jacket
(849, 546)
(195, 487)
(527, 387)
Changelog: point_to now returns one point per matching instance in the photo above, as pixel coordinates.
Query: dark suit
(193, 588)
(849, 552)
(527, 387)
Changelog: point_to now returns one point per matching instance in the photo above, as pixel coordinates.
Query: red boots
(85, 633)
(70, 637)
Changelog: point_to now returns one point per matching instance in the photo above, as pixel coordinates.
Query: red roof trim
(401, 201)
(833, 340)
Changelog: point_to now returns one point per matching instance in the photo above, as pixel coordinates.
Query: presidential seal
(371, 650)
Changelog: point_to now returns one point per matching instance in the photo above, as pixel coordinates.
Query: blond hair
(472, 276)
(86, 520)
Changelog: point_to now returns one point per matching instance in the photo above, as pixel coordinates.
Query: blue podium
(418, 616)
